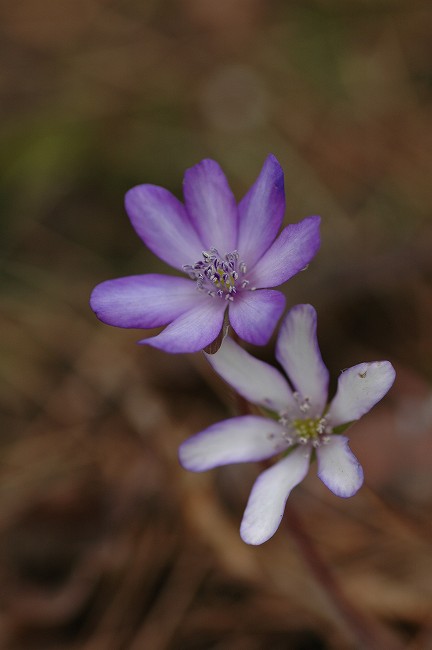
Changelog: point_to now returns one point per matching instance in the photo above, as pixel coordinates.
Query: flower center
(305, 430)
(218, 276)
(310, 430)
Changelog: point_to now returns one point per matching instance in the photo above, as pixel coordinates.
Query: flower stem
(369, 633)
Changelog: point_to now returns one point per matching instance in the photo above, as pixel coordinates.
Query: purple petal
(143, 301)
(298, 353)
(254, 314)
(291, 252)
(269, 495)
(163, 224)
(261, 212)
(211, 206)
(338, 468)
(255, 380)
(238, 440)
(193, 330)
(359, 389)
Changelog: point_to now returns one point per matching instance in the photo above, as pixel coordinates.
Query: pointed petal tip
(272, 161)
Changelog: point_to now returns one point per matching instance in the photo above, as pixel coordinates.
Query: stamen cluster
(305, 430)
(218, 275)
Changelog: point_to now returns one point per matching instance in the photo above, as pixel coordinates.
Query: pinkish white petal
(211, 206)
(163, 224)
(290, 253)
(254, 314)
(255, 380)
(359, 389)
(238, 440)
(338, 468)
(269, 495)
(143, 301)
(261, 212)
(193, 330)
(298, 353)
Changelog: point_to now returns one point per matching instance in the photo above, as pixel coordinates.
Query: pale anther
(217, 271)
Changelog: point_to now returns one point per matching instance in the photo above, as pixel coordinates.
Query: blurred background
(106, 544)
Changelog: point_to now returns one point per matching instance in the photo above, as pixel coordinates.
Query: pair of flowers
(233, 257)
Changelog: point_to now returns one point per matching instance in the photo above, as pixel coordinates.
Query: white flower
(304, 424)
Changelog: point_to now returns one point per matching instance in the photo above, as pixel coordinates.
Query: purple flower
(303, 426)
(229, 253)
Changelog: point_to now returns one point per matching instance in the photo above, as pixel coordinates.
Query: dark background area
(105, 542)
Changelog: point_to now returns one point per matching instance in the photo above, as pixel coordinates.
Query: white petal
(255, 380)
(247, 438)
(269, 495)
(298, 352)
(359, 389)
(338, 468)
